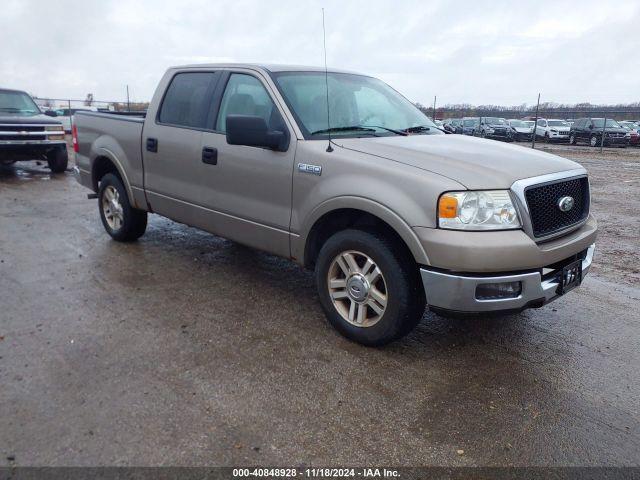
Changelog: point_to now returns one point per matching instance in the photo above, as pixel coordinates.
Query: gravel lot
(187, 349)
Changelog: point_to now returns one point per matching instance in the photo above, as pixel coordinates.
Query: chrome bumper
(458, 292)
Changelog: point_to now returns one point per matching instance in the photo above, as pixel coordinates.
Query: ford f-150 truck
(342, 174)
(27, 134)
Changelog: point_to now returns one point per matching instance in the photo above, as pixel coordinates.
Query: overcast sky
(479, 52)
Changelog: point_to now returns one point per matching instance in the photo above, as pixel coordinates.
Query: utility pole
(128, 104)
(604, 124)
(535, 124)
(434, 108)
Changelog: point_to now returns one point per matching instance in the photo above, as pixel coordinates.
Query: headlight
(56, 129)
(477, 210)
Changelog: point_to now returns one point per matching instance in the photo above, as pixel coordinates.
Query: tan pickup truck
(340, 173)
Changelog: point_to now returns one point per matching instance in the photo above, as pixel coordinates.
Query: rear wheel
(58, 159)
(368, 287)
(123, 222)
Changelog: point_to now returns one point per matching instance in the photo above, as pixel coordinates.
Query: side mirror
(252, 131)
(591, 126)
(51, 113)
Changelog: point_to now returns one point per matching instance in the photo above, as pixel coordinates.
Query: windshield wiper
(419, 128)
(357, 128)
(397, 132)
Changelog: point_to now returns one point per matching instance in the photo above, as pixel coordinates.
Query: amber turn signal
(447, 207)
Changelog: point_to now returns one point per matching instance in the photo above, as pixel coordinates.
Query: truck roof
(12, 90)
(273, 68)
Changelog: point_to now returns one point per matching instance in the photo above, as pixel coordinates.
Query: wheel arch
(349, 212)
(106, 162)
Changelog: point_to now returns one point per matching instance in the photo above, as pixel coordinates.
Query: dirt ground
(187, 349)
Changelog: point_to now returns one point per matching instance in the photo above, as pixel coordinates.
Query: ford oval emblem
(566, 203)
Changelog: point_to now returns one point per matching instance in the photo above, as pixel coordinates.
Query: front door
(250, 187)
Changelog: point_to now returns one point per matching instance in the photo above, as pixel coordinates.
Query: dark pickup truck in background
(28, 134)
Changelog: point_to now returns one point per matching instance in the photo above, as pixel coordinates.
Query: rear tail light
(74, 133)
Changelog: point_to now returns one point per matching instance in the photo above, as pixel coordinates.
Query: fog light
(496, 291)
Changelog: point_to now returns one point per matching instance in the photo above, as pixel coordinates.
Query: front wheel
(593, 141)
(546, 137)
(369, 288)
(58, 159)
(572, 139)
(123, 222)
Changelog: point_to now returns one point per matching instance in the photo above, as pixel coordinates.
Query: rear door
(171, 144)
(249, 188)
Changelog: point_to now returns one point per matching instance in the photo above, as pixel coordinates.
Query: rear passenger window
(186, 102)
(245, 95)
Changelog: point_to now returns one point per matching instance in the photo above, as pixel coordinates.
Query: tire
(123, 222)
(546, 138)
(572, 139)
(58, 159)
(593, 141)
(483, 134)
(398, 284)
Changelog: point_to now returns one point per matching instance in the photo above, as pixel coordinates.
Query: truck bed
(114, 136)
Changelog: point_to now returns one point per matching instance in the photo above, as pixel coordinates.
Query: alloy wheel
(112, 208)
(357, 288)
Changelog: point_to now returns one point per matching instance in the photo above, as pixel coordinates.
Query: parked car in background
(65, 115)
(522, 130)
(438, 123)
(634, 131)
(28, 134)
(495, 128)
(470, 125)
(453, 125)
(241, 151)
(591, 130)
(552, 130)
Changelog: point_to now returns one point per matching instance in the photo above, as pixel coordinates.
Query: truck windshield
(17, 103)
(365, 103)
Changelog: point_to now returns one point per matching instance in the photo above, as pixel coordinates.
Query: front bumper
(559, 136)
(447, 291)
(523, 137)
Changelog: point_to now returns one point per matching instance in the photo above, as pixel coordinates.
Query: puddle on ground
(25, 171)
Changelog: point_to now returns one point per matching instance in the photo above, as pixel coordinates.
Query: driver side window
(245, 95)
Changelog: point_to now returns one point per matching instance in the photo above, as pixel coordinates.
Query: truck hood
(23, 119)
(473, 162)
(523, 129)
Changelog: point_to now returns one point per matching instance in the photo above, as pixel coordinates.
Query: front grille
(21, 128)
(546, 216)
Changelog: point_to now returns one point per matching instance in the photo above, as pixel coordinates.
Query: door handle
(152, 144)
(210, 155)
